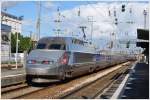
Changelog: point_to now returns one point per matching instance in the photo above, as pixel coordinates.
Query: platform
(12, 76)
(137, 85)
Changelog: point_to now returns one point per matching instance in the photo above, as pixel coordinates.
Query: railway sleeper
(114, 86)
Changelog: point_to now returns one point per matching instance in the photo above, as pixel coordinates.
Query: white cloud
(98, 11)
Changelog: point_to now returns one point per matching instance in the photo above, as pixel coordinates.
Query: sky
(71, 20)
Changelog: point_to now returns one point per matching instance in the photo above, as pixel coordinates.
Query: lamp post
(16, 51)
(145, 14)
(9, 64)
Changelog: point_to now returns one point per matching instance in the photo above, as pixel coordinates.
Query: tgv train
(58, 58)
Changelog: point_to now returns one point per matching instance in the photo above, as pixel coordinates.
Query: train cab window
(57, 46)
(41, 46)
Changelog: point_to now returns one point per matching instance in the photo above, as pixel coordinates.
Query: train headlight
(45, 62)
(31, 61)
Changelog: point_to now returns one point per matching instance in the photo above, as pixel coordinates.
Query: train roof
(62, 38)
(74, 44)
(49, 37)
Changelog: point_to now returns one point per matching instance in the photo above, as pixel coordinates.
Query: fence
(5, 59)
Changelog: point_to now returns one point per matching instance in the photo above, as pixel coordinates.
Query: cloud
(98, 11)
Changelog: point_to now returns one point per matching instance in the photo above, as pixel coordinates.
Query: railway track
(12, 92)
(13, 87)
(63, 90)
(96, 88)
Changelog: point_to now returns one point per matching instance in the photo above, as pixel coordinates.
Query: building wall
(5, 42)
(4, 53)
(9, 24)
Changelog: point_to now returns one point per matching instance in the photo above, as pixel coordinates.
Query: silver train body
(58, 58)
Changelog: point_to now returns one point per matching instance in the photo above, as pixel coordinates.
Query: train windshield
(57, 46)
(41, 46)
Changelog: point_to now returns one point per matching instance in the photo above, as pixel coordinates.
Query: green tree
(23, 45)
(13, 42)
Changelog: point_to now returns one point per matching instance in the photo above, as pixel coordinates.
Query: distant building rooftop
(11, 16)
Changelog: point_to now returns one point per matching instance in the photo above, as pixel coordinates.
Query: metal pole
(38, 21)
(90, 19)
(9, 49)
(91, 29)
(25, 56)
(16, 50)
(145, 14)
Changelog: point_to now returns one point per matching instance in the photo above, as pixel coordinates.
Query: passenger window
(57, 47)
(41, 46)
(64, 47)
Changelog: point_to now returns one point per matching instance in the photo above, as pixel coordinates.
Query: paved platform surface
(11, 72)
(12, 76)
(137, 86)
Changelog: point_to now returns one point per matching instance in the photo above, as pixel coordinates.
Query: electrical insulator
(109, 13)
(116, 21)
(115, 13)
(123, 8)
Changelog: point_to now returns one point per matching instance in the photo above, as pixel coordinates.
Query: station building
(5, 42)
(13, 21)
(9, 24)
